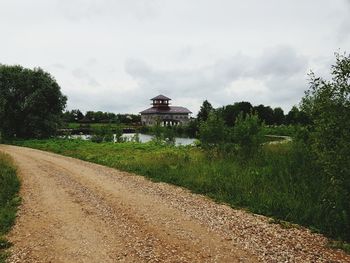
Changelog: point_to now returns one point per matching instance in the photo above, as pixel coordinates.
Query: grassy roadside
(9, 200)
(278, 182)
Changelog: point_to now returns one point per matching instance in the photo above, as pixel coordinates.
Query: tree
(31, 102)
(278, 116)
(73, 116)
(247, 134)
(327, 103)
(296, 116)
(204, 111)
(265, 113)
(292, 116)
(213, 130)
(230, 112)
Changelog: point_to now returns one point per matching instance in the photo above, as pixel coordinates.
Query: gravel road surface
(75, 211)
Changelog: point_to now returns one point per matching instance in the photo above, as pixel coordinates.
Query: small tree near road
(327, 103)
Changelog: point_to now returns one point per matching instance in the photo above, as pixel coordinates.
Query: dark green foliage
(297, 117)
(328, 105)
(192, 128)
(165, 135)
(129, 119)
(73, 116)
(76, 116)
(105, 134)
(213, 131)
(265, 113)
(169, 135)
(247, 134)
(230, 112)
(278, 116)
(282, 130)
(31, 102)
(204, 111)
(9, 186)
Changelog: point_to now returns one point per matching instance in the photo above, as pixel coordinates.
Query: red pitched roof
(171, 109)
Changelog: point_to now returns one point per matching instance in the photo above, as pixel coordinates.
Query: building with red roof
(161, 112)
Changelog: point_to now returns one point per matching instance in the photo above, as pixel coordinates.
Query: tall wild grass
(9, 186)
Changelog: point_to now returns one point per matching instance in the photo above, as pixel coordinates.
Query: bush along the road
(9, 200)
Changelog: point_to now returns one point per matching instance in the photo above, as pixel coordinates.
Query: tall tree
(293, 115)
(204, 111)
(31, 102)
(230, 112)
(296, 116)
(265, 113)
(278, 116)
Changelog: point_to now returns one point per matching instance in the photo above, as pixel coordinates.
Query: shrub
(247, 134)
(213, 131)
(104, 133)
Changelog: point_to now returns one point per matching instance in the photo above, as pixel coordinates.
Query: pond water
(142, 137)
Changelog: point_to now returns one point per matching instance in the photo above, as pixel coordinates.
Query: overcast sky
(114, 55)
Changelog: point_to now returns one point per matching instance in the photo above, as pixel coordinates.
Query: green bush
(213, 131)
(247, 134)
(281, 130)
(104, 133)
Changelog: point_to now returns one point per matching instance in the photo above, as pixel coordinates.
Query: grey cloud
(343, 33)
(116, 101)
(89, 9)
(81, 74)
(280, 61)
(193, 81)
(91, 62)
(58, 66)
(281, 70)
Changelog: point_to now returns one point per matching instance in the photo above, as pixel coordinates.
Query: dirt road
(74, 211)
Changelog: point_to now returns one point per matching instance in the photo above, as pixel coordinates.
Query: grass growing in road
(9, 186)
(277, 182)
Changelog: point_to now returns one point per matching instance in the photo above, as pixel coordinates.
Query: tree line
(268, 115)
(76, 116)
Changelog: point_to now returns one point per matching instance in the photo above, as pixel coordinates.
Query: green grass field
(9, 186)
(277, 182)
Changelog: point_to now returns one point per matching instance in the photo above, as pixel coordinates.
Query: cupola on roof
(160, 97)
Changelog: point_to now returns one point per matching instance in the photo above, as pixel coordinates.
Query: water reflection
(142, 138)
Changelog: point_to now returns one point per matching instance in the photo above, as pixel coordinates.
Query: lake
(142, 137)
